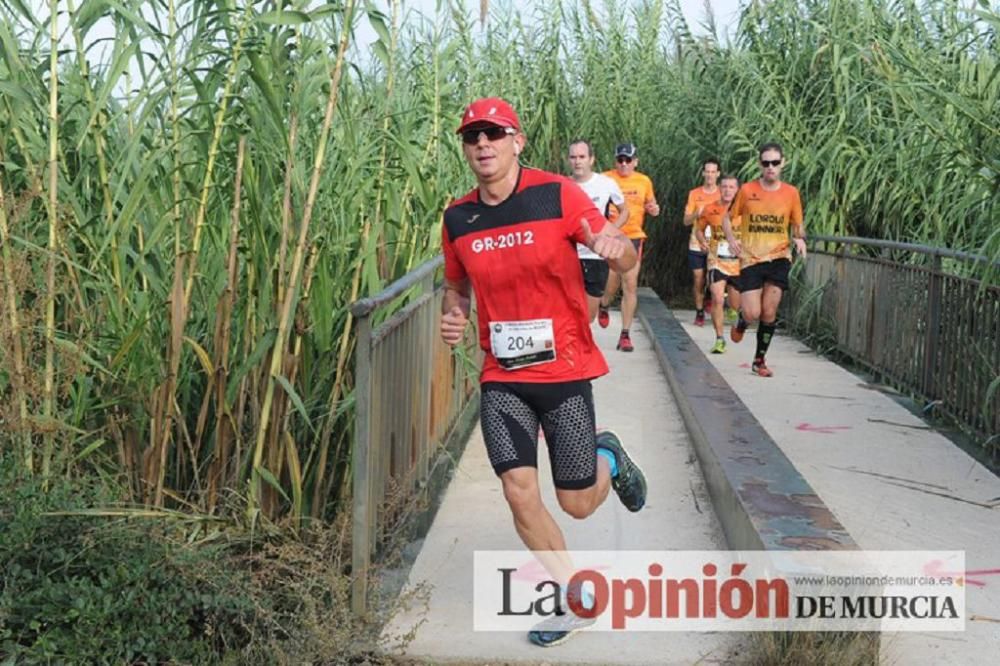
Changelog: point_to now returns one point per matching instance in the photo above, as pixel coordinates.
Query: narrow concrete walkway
(892, 481)
(635, 401)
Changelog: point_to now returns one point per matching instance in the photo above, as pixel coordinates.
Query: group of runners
(624, 197)
(740, 242)
(536, 249)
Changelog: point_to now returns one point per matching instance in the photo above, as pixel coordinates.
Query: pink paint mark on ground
(826, 430)
(935, 568)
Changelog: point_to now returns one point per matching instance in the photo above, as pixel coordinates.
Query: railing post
(933, 325)
(361, 466)
(427, 376)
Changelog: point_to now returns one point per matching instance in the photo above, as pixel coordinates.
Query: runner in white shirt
(604, 192)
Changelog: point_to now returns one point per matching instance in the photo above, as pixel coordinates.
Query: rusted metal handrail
(409, 393)
(366, 306)
(930, 250)
(926, 330)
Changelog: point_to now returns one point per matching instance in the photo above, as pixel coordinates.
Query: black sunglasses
(767, 163)
(493, 133)
(624, 159)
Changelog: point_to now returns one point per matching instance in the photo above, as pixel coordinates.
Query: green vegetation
(187, 211)
(121, 585)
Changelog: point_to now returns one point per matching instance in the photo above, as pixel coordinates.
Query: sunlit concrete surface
(635, 401)
(893, 481)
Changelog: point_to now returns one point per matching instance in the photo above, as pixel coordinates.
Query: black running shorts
(697, 261)
(638, 244)
(715, 275)
(510, 413)
(595, 276)
(775, 272)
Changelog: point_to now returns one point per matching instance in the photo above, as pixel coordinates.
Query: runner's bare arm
(456, 293)
(622, 215)
(799, 236)
(652, 207)
(454, 310)
(612, 244)
(727, 228)
(690, 218)
(699, 233)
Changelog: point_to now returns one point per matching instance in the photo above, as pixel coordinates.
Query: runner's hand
(652, 208)
(800, 247)
(607, 247)
(453, 326)
(736, 248)
(703, 245)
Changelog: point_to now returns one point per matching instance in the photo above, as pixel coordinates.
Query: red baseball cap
(489, 111)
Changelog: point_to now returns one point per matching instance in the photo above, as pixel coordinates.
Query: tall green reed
(196, 221)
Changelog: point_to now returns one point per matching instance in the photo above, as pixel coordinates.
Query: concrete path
(892, 481)
(635, 401)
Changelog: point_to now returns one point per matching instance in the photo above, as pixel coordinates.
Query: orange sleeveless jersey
(766, 218)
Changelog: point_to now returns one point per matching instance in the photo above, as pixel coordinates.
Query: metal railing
(930, 332)
(409, 391)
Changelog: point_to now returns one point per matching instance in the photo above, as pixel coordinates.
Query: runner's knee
(520, 489)
(579, 505)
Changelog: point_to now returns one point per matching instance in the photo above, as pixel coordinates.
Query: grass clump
(120, 585)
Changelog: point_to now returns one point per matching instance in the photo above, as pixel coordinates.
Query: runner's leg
(630, 298)
(718, 304)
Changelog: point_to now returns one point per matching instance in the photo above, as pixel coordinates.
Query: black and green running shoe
(630, 483)
(556, 629)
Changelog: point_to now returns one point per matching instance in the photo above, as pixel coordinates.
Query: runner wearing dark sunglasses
(512, 240)
(769, 209)
(640, 201)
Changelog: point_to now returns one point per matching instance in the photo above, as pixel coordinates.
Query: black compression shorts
(510, 413)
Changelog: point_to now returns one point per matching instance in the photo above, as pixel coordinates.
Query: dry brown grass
(811, 649)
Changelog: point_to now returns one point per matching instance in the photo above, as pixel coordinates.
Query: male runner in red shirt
(513, 239)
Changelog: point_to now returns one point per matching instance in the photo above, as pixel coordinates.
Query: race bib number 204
(518, 344)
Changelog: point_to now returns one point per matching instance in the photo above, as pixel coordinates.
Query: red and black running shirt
(520, 257)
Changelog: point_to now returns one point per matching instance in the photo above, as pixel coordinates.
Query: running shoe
(625, 342)
(719, 347)
(730, 315)
(630, 482)
(737, 330)
(556, 629)
(699, 318)
(760, 369)
(603, 318)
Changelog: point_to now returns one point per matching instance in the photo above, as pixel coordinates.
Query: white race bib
(708, 233)
(723, 251)
(518, 344)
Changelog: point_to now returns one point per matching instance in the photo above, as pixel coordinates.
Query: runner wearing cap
(769, 208)
(723, 265)
(697, 255)
(640, 200)
(512, 240)
(605, 193)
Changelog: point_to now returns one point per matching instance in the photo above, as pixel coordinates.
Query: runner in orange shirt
(640, 201)
(769, 208)
(697, 199)
(723, 265)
